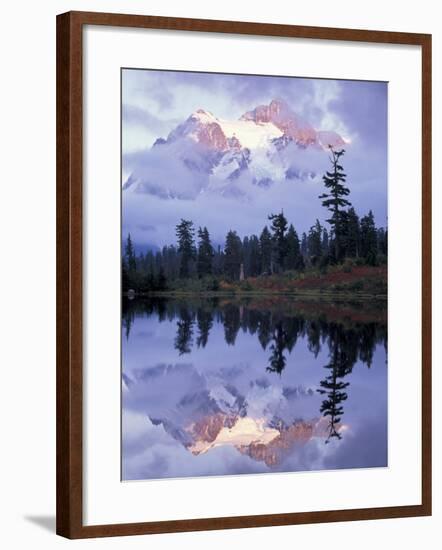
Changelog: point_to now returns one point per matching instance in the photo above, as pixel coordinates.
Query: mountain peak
(203, 116)
(278, 105)
(277, 108)
(262, 146)
(281, 115)
(204, 128)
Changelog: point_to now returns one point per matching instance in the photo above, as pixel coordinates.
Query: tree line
(276, 249)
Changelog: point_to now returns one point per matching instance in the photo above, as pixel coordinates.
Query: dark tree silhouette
(325, 242)
(186, 246)
(277, 359)
(205, 253)
(304, 245)
(293, 327)
(343, 345)
(382, 241)
(232, 323)
(232, 256)
(265, 245)
(252, 257)
(183, 339)
(294, 259)
(265, 329)
(147, 282)
(161, 282)
(333, 387)
(353, 234)
(127, 321)
(129, 254)
(204, 323)
(369, 239)
(279, 229)
(314, 241)
(334, 200)
(314, 337)
(124, 276)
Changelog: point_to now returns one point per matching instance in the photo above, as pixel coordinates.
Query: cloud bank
(154, 102)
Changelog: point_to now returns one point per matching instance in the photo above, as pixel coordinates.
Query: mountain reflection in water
(218, 386)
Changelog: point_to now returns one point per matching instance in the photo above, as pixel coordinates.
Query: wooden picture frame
(70, 270)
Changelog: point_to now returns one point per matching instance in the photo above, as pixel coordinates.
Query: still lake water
(221, 387)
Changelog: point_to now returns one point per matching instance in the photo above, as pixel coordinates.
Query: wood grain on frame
(70, 272)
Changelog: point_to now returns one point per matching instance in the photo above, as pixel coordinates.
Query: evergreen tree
(158, 263)
(279, 228)
(335, 200)
(147, 282)
(218, 262)
(246, 255)
(353, 236)
(254, 267)
(369, 239)
(265, 246)
(129, 254)
(382, 241)
(149, 262)
(205, 253)
(165, 260)
(124, 276)
(232, 256)
(304, 245)
(325, 242)
(170, 262)
(314, 241)
(130, 279)
(294, 259)
(186, 246)
(161, 283)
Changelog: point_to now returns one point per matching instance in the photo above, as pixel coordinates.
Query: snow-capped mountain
(269, 144)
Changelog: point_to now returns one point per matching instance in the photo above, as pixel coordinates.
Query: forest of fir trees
(277, 249)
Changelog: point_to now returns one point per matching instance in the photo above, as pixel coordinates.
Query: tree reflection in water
(348, 333)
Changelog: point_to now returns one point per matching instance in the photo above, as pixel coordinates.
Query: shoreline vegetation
(314, 295)
(342, 282)
(346, 260)
(348, 309)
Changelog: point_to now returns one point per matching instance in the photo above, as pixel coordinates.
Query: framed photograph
(243, 274)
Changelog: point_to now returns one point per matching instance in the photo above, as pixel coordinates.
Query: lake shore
(301, 294)
(344, 309)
